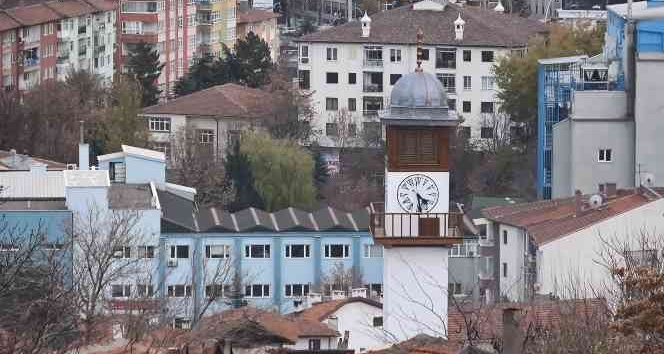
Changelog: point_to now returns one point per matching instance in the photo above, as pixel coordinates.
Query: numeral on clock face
(417, 194)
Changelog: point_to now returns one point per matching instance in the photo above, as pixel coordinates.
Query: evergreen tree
(144, 66)
(239, 178)
(321, 174)
(253, 60)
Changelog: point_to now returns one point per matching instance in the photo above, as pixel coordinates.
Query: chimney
(459, 25)
(83, 152)
(578, 201)
(366, 25)
(14, 160)
(512, 334)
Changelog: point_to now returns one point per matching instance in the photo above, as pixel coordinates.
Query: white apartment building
(354, 66)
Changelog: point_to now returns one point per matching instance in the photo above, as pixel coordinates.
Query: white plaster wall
(415, 298)
(576, 259)
(326, 343)
(350, 59)
(357, 319)
(511, 253)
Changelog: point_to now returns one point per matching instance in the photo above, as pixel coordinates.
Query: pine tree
(143, 64)
(239, 177)
(254, 60)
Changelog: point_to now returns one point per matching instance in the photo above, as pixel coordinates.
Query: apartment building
(354, 66)
(45, 40)
(262, 23)
(181, 31)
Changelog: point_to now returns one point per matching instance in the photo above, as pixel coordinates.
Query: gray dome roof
(418, 89)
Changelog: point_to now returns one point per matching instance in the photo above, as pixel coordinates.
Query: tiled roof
(225, 324)
(33, 14)
(399, 26)
(7, 23)
(229, 100)
(70, 8)
(322, 310)
(548, 220)
(19, 13)
(251, 16)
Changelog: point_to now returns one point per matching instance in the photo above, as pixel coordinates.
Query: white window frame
(219, 251)
(171, 290)
(181, 323)
(328, 250)
(126, 291)
(332, 53)
(206, 136)
(602, 155)
(288, 250)
(122, 252)
(159, 124)
(467, 86)
(174, 252)
(226, 290)
(369, 250)
(288, 288)
(488, 83)
(248, 253)
(251, 295)
(145, 250)
(147, 290)
(395, 55)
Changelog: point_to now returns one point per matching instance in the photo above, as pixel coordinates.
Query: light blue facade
(278, 270)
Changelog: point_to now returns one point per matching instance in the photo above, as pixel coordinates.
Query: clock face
(417, 194)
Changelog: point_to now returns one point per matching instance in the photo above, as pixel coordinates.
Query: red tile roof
(7, 23)
(70, 8)
(548, 220)
(229, 100)
(322, 310)
(103, 5)
(19, 13)
(484, 28)
(252, 16)
(33, 14)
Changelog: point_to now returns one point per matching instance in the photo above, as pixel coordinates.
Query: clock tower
(415, 225)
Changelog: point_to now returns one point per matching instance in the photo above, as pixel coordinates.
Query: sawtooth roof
(229, 100)
(484, 28)
(548, 220)
(184, 213)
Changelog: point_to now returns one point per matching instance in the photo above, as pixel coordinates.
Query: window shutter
(408, 147)
(427, 147)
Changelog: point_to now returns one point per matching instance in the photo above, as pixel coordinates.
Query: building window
(179, 290)
(448, 81)
(488, 82)
(144, 290)
(445, 58)
(257, 251)
(467, 83)
(217, 251)
(331, 129)
(158, 124)
(487, 56)
(395, 55)
(378, 321)
(304, 54)
(352, 78)
(373, 251)
(451, 104)
(352, 104)
(466, 106)
(215, 291)
(504, 270)
(304, 77)
(486, 133)
(122, 252)
(465, 250)
(257, 290)
(487, 107)
(298, 251)
(464, 132)
(332, 78)
(162, 147)
(425, 54)
(331, 104)
(181, 323)
(314, 344)
(394, 78)
(604, 155)
(337, 251)
(206, 136)
(505, 237)
(181, 251)
(145, 251)
(120, 290)
(375, 289)
(296, 290)
(467, 55)
(418, 147)
(331, 54)
(373, 56)
(454, 289)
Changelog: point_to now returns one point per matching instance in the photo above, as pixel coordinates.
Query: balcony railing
(373, 63)
(29, 62)
(411, 225)
(370, 87)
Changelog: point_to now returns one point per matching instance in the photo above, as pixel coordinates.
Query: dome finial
(420, 40)
(499, 7)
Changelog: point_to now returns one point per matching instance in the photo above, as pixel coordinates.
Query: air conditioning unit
(173, 262)
(304, 60)
(72, 166)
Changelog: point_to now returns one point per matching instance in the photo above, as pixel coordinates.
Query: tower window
(411, 148)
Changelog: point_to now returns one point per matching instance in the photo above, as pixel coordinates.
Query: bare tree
(342, 278)
(500, 124)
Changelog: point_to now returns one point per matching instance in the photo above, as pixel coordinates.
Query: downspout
(217, 139)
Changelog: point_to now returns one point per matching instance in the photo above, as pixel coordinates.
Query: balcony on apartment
(373, 82)
(30, 59)
(373, 57)
(204, 17)
(415, 229)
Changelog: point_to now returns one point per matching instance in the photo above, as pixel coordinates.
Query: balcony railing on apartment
(412, 225)
(371, 113)
(370, 87)
(30, 62)
(373, 63)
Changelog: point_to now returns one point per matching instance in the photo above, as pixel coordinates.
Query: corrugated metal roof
(86, 178)
(32, 184)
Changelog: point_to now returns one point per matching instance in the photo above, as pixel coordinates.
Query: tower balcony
(416, 229)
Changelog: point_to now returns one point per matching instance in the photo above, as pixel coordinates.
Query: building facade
(262, 23)
(45, 40)
(353, 67)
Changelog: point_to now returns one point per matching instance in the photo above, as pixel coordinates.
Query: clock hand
(419, 202)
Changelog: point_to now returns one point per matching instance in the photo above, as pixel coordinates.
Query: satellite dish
(649, 179)
(595, 201)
